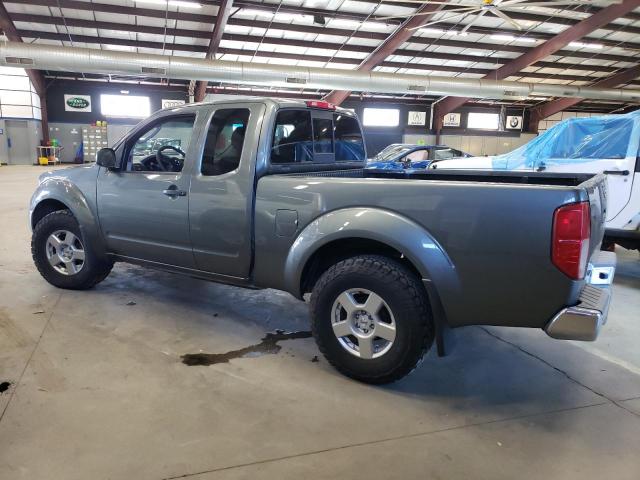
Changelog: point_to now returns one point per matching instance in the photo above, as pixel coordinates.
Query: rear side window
(349, 144)
(292, 138)
(301, 137)
(225, 139)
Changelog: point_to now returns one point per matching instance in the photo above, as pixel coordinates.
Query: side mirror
(106, 158)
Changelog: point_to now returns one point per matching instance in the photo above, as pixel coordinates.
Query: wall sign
(417, 118)
(169, 103)
(513, 122)
(451, 120)
(77, 103)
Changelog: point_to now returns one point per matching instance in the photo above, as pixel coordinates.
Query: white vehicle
(606, 144)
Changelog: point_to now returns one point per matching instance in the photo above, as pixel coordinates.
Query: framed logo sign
(451, 120)
(77, 103)
(417, 118)
(513, 122)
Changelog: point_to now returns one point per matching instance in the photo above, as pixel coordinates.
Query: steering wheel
(162, 160)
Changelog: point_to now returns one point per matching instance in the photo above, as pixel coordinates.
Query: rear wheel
(370, 318)
(62, 255)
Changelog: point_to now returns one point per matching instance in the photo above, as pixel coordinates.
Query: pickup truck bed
(487, 237)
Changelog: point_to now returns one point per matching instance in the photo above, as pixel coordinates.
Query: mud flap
(445, 335)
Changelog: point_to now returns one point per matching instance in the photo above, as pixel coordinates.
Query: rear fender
(389, 228)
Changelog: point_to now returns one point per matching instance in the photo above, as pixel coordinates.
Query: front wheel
(63, 257)
(370, 318)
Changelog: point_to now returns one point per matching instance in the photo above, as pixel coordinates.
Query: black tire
(405, 297)
(93, 271)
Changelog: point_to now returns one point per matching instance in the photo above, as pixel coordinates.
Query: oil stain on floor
(268, 346)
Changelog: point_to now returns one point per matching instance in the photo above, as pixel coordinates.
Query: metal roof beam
(551, 108)
(394, 41)
(342, 32)
(573, 33)
(273, 7)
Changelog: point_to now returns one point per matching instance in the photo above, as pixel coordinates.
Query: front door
(144, 206)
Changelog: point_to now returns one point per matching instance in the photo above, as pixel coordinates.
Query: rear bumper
(584, 320)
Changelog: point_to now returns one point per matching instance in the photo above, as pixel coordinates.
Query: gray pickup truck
(268, 193)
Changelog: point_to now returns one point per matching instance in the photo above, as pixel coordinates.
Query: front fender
(389, 228)
(63, 190)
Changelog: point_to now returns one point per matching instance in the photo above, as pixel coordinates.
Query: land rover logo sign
(77, 103)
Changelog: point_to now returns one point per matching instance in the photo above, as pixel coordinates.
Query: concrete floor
(98, 390)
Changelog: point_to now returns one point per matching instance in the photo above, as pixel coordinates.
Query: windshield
(391, 152)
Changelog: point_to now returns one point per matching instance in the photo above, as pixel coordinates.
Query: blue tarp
(577, 140)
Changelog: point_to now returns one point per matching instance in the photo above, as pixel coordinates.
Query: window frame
(137, 133)
(205, 134)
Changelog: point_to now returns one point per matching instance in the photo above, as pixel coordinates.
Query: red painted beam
(392, 43)
(550, 108)
(551, 46)
(218, 29)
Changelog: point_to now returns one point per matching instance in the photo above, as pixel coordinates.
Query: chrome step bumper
(584, 320)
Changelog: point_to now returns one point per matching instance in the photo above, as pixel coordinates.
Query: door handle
(173, 191)
(617, 172)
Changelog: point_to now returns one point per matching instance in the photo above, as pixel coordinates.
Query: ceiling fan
(480, 8)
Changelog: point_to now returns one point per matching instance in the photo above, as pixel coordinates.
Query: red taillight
(571, 232)
(320, 104)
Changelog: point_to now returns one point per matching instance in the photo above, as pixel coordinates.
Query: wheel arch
(55, 194)
(44, 208)
(338, 234)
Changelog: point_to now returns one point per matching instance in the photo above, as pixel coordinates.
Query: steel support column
(218, 29)
(35, 76)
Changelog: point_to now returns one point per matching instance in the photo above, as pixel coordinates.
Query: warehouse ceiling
(342, 34)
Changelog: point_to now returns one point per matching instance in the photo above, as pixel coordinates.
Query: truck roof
(277, 101)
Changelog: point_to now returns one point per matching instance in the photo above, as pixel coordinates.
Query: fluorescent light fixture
(124, 92)
(285, 17)
(456, 33)
(504, 38)
(173, 3)
(432, 31)
(586, 45)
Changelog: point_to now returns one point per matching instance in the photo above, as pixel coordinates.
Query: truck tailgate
(596, 189)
